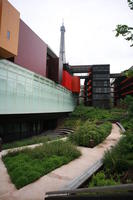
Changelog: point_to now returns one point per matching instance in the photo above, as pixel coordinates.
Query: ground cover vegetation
(90, 134)
(118, 163)
(81, 117)
(90, 113)
(91, 125)
(120, 159)
(27, 141)
(28, 165)
(100, 180)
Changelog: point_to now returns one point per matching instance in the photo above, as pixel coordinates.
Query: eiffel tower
(62, 57)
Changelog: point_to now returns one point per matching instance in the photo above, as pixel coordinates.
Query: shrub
(128, 102)
(90, 132)
(128, 123)
(121, 156)
(28, 165)
(100, 180)
(73, 123)
(85, 112)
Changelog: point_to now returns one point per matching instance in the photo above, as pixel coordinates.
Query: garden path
(58, 178)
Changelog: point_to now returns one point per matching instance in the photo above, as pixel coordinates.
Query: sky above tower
(89, 24)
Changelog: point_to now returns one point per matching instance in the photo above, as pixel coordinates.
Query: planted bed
(26, 166)
(90, 134)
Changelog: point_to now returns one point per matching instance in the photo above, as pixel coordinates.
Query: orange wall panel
(67, 80)
(9, 29)
(75, 84)
(0, 11)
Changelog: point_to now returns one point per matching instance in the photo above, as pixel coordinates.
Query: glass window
(8, 35)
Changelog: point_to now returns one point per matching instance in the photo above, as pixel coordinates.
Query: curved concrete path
(58, 178)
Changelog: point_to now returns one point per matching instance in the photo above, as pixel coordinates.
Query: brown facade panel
(32, 51)
(9, 29)
(0, 11)
(52, 69)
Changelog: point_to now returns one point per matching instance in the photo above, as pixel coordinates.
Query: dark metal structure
(123, 86)
(80, 68)
(119, 192)
(97, 90)
(101, 86)
(97, 86)
(115, 75)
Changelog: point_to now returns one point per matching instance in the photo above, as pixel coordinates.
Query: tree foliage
(124, 30)
(129, 73)
(130, 3)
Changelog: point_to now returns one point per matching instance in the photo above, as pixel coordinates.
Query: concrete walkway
(58, 178)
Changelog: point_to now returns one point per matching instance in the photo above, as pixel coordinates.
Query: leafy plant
(129, 73)
(90, 134)
(72, 123)
(90, 113)
(121, 156)
(100, 180)
(128, 101)
(124, 30)
(28, 165)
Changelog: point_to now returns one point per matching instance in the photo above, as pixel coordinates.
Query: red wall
(67, 80)
(75, 84)
(71, 82)
(32, 51)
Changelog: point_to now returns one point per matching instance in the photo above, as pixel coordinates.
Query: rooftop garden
(92, 126)
(28, 165)
(118, 163)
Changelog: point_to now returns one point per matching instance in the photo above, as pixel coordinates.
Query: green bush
(28, 165)
(128, 102)
(72, 123)
(120, 159)
(128, 123)
(85, 112)
(90, 133)
(121, 156)
(100, 180)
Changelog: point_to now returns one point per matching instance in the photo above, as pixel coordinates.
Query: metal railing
(118, 192)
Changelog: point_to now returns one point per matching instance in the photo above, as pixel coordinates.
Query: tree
(124, 30)
(129, 73)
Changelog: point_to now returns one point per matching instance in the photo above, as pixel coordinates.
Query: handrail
(102, 189)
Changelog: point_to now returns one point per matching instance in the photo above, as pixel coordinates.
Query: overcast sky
(89, 24)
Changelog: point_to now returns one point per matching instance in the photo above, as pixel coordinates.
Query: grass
(83, 113)
(120, 160)
(76, 120)
(28, 165)
(101, 180)
(28, 141)
(90, 134)
(73, 123)
(92, 113)
(91, 125)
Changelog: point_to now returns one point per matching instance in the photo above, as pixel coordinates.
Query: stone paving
(58, 178)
